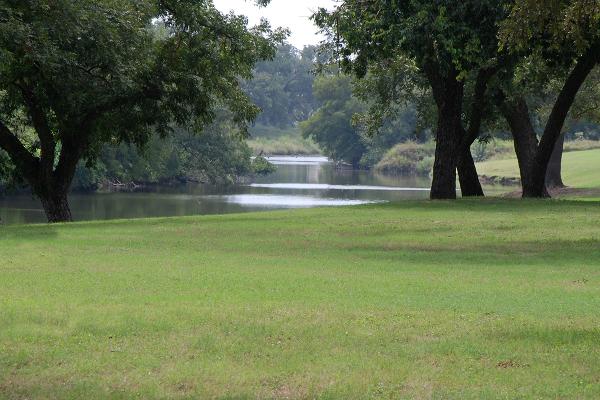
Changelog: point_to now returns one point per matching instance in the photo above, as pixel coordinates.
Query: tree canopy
(331, 125)
(447, 43)
(553, 41)
(468, 56)
(82, 73)
(283, 87)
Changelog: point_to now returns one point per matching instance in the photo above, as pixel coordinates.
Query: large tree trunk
(525, 140)
(553, 130)
(56, 207)
(554, 172)
(468, 176)
(444, 167)
(534, 157)
(448, 94)
(467, 172)
(52, 184)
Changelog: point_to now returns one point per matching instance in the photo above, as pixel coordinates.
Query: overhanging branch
(585, 64)
(25, 162)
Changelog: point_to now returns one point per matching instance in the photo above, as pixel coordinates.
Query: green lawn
(581, 169)
(494, 299)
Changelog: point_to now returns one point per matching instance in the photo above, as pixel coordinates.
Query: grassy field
(581, 169)
(494, 299)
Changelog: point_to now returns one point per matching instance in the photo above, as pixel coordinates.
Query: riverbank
(298, 182)
(284, 146)
(581, 168)
(469, 299)
(497, 165)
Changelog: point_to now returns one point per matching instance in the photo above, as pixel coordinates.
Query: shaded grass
(580, 168)
(468, 299)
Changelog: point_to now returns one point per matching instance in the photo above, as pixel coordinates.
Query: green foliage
(6, 170)
(585, 114)
(551, 26)
(413, 158)
(390, 89)
(331, 125)
(340, 129)
(282, 87)
(548, 37)
(408, 158)
(402, 128)
(213, 156)
(492, 149)
(455, 35)
(116, 66)
(436, 55)
(261, 166)
(83, 73)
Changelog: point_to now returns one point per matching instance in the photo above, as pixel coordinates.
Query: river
(299, 182)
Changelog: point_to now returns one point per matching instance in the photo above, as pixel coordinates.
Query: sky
(292, 14)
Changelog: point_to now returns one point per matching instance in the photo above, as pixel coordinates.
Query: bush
(581, 144)
(493, 149)
(209, 157)
(408, 158)
(261, 166)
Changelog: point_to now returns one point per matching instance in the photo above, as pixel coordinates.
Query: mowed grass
(581, 169)
(494, 299)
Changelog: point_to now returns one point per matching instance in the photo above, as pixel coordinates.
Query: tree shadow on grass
(27, 232)
(494, 205)
(551, 336)
(585, 251)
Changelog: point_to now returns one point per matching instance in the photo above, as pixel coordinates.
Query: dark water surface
(299, 182)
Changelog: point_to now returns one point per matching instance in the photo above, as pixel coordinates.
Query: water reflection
(298, 182)
(297, 160)
(316, 186)
(282, 201)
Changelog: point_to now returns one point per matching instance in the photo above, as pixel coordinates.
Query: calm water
(299, 182)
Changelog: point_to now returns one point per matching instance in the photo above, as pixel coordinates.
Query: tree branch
(477, 106)
(25, 162)
(585, 64)
(434, 76)
(42, 127)
(97, 111)
(70, 154)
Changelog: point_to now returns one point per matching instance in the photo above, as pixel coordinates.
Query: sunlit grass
(468, 299)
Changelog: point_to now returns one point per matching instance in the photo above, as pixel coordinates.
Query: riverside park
(297, 200)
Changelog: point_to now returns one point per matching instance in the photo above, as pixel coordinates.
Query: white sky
(292, 14)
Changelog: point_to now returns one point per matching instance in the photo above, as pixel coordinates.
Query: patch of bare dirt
(509, 364)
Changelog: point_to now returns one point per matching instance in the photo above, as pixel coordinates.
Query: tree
(216, 155)
(85, 72)
(452, 45)
(585, 107)
(557, 38)
(282, 88)
(331, 125)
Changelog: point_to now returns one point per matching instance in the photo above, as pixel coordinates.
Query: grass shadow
(27, 232)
